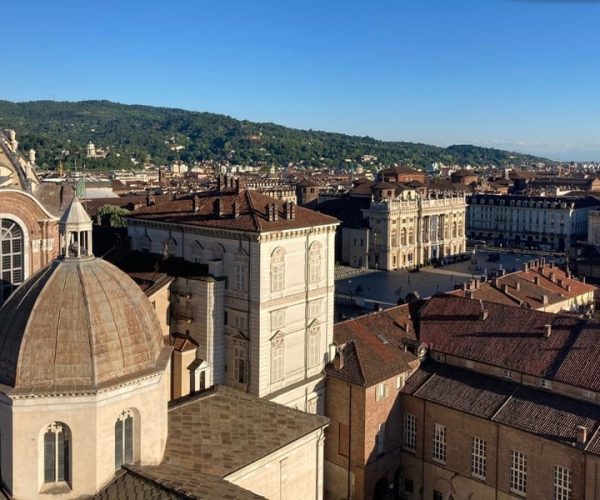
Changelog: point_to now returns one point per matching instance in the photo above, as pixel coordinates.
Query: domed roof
(77, 324)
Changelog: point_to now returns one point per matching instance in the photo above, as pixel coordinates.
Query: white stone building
(276, 262)
(84, 399)
(406, 228)
(530, 221)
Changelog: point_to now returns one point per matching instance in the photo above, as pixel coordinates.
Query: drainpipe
(349, 485)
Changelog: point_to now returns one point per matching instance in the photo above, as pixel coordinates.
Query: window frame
(518, 472)
(478, 457)
(440, 446)
(410, 432)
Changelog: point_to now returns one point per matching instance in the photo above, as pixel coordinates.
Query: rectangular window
(314, 309)
(410, 431)
(314, 346)
(381, 392)
(518, 472)
(277, 319)
(277, 276)
(399, 382)
(562, 483)
(240, 321)
(239, 363)
(478, 457)
(439, 443)
(241, 276)
(381, 439)
(277, 361)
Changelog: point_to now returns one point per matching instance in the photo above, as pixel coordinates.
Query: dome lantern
(75, 228)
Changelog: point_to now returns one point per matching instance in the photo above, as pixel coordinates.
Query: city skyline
(511, 74)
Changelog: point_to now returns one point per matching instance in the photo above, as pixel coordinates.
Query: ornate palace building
(262, 310)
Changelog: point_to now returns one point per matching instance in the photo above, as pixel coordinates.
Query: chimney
(236, 209)
(220, 182)
(536, 280)
(547, 331)
(501, 272)
(269, 209)
(218, 207)
(237, 185)
(504, 287)
(583, 279)
(338, 361)
(568, 288)
(483, 313)
(292, 210)
(553, 277)
(581, 434)
(287, 209)
(526, 266)
(470, 294)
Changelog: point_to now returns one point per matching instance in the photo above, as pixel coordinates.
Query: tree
(113, 216)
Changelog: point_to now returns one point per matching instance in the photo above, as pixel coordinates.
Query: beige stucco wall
(292, 472)
(91, 420)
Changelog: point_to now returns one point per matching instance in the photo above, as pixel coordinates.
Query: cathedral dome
(78, 324)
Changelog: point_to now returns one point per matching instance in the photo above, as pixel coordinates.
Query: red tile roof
(513, 338)
(374, 346)
(199, 210)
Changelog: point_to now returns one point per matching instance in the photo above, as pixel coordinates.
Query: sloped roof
(513, 338)
(373, 346)
(536, 411)
(223, 430)
(199, 210)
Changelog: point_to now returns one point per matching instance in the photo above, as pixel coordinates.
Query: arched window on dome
(57, 453)
(11, 257)
(124, 439)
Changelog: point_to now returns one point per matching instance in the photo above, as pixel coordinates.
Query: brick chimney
(536, 280)
(218, 207)
(338, 361)
(581, 434)
(272, 214)
(287, 209)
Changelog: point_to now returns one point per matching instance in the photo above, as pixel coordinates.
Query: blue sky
(514, 74)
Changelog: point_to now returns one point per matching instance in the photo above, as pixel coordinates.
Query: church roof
(223, 430)
(78, 324)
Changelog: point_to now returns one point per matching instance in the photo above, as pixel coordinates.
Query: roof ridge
(359, 362)
(252, 210)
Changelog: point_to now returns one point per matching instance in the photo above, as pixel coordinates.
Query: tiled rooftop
(224, 430)
(513, 338)
(536, 411)
(375, 346)
(199, 210)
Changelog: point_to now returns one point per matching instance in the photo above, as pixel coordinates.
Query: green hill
(146, 132)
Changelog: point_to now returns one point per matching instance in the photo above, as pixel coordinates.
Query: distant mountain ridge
(166, 134)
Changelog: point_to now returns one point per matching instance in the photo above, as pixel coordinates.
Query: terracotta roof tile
(200, 210)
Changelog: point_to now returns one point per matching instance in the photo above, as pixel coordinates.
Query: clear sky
(514, 74)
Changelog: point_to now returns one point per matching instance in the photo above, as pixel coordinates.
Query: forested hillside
(61, 130)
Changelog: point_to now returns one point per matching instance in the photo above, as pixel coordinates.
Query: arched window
(403, 236)
(11, 261)
(460, 228)
(278, 269)
(124, 439)
(314, 262)
(57, 439)
(454, 229)
(394, 237)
